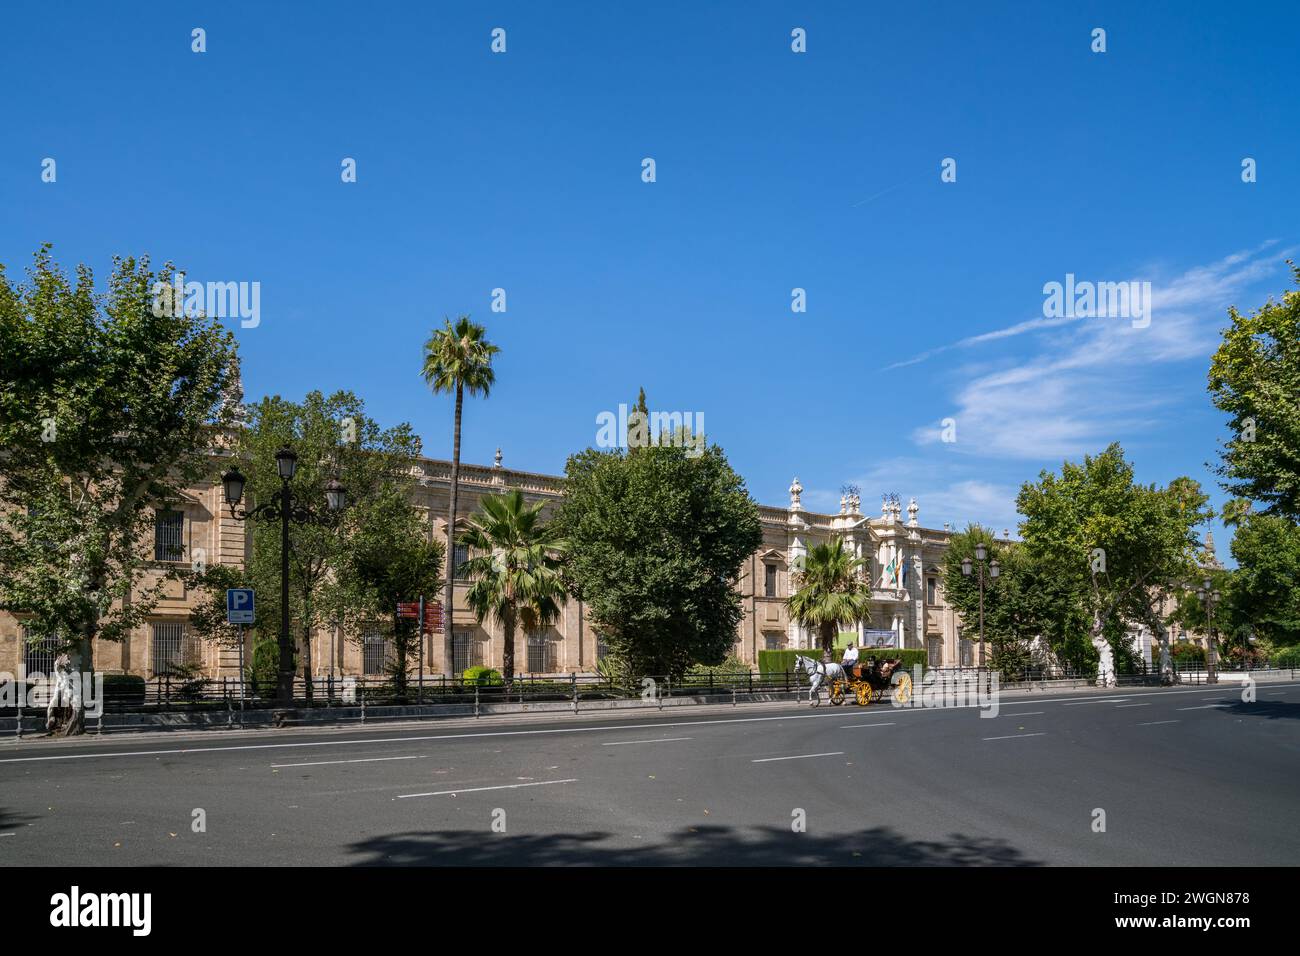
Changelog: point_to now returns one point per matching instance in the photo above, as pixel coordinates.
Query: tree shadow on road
(694, 846)
(1267, 709)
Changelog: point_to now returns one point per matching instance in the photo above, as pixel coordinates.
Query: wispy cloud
(1091, 380)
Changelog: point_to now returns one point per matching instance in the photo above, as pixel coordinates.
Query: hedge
(124, 687)
(778, 662)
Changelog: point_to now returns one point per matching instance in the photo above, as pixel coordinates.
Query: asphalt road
(1184, 777)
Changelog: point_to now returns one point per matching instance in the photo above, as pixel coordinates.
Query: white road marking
(656, 740)
(322, 763)
(1014, 736)
(1205, 707)
(508, 786)
(1153, 723)
(1122, 706)
(551, 730)
(1106, 700)
(837, 753)
(1024, 713)
(7, 834)
(851, 726)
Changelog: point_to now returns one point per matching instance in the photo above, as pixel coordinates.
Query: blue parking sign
(239, 605)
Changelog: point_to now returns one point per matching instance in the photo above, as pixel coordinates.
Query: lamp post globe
(232, 483)
(335, 495)
(286, 462)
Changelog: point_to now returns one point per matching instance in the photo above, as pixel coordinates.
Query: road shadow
(693, 846)
(1266, 709)
(12, 821)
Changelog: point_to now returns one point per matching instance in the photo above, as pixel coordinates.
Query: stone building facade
(904, 559)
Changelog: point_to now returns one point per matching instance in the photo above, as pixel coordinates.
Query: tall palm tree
(831, 591)
(457, 359)
(515, 573)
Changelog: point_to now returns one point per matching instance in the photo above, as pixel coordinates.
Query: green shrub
(731, 666)
(1185, 652)
(1287, 656)
(264, 669)
(483, 676)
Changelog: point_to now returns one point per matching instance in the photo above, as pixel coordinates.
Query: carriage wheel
(863, 692)
(903, 688)
(837, 692)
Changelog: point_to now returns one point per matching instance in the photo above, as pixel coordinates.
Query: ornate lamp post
(981, 552)
(284, 507)
(1209, 599)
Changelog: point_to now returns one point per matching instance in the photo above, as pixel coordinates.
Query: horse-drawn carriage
(867, 681)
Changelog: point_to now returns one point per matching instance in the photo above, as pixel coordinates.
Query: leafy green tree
(1118, 547)
(830, 589)
(109, 408)
(1020, 604)
(515, 574)
(1255, 378)
(1263, 596)
(657, 538)
(457, 359)
(390, 559)
(333, 438)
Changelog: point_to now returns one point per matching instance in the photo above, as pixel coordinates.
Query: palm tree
(831, 591)
(457, 359)
(515, 572)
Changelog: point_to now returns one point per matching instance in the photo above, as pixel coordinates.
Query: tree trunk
(399, 664)
(828, 638)
(450, 561)
(67, 715)
(508, 648)
(307, 645)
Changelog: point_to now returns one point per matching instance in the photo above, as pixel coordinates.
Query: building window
(541, 654)
(769, 582)
(168, 535)
(772, 642)
(931, 591)
(376, 650)
(602, 649)
(38, 658)
(173, 649)
(464, 651)
(461, 555)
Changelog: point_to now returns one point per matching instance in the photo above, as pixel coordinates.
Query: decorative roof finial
(796, 490)
(496, 462)
(912, 509)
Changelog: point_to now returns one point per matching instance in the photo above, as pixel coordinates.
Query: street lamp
(981, 552)
(1209, 599)
(284, 507)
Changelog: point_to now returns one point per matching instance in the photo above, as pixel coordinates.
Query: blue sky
(775, 170)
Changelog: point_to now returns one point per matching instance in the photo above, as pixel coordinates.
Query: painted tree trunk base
(66, 714)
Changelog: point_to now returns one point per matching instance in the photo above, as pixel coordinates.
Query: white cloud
(1093, 379)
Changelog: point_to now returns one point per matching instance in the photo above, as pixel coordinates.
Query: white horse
(818, 674)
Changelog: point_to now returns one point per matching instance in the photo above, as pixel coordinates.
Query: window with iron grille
(772, 641)
(931, 591)
(602, 649)
(168, 535)
(461, 556)
(38, 658)
(465, 651)
(541, 654)
(173, 651)
(375, 652)
(769, 582)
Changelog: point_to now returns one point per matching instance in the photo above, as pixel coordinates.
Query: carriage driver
(850, 658)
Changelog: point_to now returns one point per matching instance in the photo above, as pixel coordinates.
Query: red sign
(433, 617)
(408, 609)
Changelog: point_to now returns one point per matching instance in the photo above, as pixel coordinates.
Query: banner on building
(877, 637)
